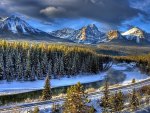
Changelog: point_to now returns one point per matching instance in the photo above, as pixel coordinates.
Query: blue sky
(79, 23)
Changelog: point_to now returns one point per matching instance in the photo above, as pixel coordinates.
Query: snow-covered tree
(105, 100)
(117, 101)
(76, 100)
(47, 94)
(134, 100)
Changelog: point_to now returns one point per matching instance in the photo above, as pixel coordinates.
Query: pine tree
(133, 81)
(134, 100)
(32, 78)
(147, 99)
(47, 94)
(28, 67)
(117, 102)
(56, 108)
(1, 72)
(55, 64)
(105, 100)
(1, 67)
(91, 110)
(19, 58)
(36, 110)
(8, 68)
(76, 100)
(44, 64)
(39, 71)
(19, 68)
(49, 69)
(61, 66)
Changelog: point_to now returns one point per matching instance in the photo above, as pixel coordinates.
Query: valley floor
(128, 70)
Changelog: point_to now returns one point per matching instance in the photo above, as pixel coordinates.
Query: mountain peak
(113, 34)
(135, 31)
(92, 26)
(63, 33)
(16, 25)
(13, 16)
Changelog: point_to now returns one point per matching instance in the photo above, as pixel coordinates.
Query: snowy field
(17, 87)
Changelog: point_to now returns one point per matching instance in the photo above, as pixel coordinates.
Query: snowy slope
(135, 34)
(16, 25)
(90, 34)
(134, 31)
(63, 33)
(87, 34)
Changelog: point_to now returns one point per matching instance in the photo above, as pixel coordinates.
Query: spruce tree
(28, 67)
(76, 100)
(147, 99)
(1, 67)
(39, 71)
(105, 100)
(47, 94)
(1, 72)
(8, 68)
(36, 110)
(117, 102)
(44, 64)
(133, 81)
(61, 66)
(134, 100)
(32, 78)
(19, 68)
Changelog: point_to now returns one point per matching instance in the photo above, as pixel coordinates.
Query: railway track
(9, 109)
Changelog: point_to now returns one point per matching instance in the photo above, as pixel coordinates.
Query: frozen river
(129, 70)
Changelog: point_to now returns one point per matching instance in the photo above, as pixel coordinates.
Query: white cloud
(52, 10)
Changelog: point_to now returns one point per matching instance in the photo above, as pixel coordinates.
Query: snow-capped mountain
(15, 25)
(87, 34)
(63, 33)
(136, 34)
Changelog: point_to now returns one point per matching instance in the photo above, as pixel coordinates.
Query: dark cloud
(27, 7)
(107, 11)
(112, 12)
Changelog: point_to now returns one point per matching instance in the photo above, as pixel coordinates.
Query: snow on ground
(131, 72)
(27, 85)
(135, 74)
(119, 67)
(17, 87)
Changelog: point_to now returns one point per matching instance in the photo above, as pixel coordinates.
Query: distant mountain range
(15, 27)
(91, 34)
(88, 34)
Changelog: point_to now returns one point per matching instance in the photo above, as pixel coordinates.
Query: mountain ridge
(14, 26)
(91, 34)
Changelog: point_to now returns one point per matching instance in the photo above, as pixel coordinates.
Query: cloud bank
(112, 12)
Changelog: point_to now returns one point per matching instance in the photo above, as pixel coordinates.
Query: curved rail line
(9, 109)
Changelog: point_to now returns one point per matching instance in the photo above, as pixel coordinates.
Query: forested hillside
(30, 61)
(143, 61)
